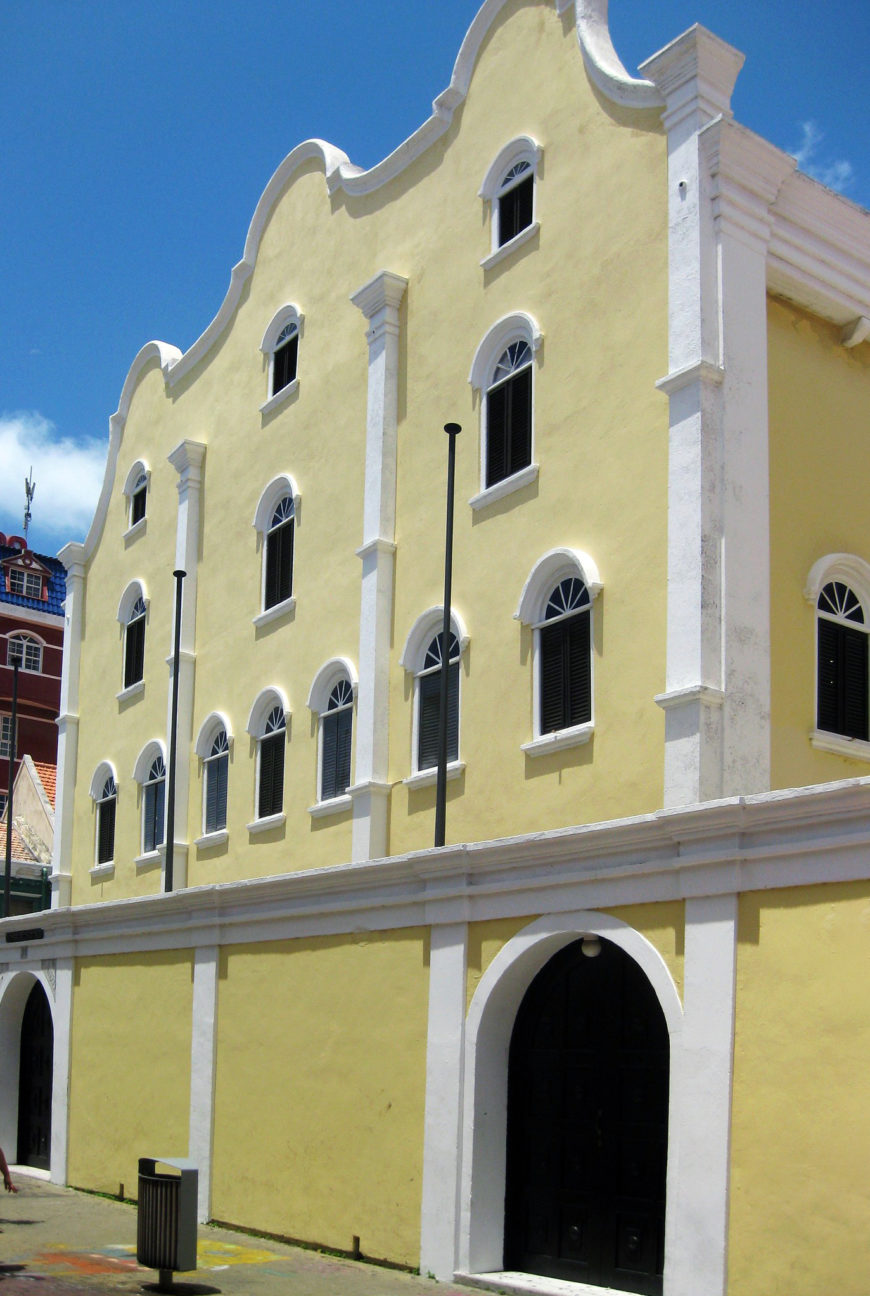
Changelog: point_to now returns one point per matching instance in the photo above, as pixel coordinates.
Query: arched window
(267, 724)
(336, 732)
(279, 554)
(150, 774)
(281, 345)
(838, 587)
(136, 492)
(503, 373)
(132, 614)
(841, 697)
(510, 189)
(25, 649)
(275, 521)
(556, 604)
(104, 790)
(423, 656)
(217, 765)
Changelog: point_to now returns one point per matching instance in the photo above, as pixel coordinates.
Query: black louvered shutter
(515, 211)
(842, 698)
(854, 683)
(134, 652)
(566, 677)
(496, 434)
(430, 702)
(328, 780)
(284, 365)
(216, 794)
(520, 421)
(106, 839)
(342, 752)
(279, 564)
(271, 797)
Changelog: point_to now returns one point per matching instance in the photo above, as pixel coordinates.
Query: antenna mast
(29, 491)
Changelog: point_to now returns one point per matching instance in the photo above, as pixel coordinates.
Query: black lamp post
(168, 878)
(452, 430)
(7, 883)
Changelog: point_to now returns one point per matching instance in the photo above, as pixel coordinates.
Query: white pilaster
(717, 698)
(62, 1021)
(206, 963)
(73, 558)
(698, 1262)
(379, 300)
(448, 961)
(187, 459)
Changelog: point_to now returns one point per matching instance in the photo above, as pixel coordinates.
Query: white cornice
(807, 836)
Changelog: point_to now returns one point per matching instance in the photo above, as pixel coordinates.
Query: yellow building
(612, 1033)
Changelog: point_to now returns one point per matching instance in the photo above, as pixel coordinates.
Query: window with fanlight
(26, 650)
(842, 662)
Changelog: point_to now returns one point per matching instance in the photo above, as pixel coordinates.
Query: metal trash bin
(166, 1232)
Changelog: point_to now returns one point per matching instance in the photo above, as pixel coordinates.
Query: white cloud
(836, 174)
(68, 476)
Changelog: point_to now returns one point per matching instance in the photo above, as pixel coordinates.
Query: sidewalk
(58, 1242)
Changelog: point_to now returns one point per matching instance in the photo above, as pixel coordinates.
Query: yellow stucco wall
(303, 1025)
(130, 1066)
(800, 1207)
(819, 462)
(595, 278)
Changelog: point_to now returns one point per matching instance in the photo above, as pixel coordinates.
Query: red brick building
(32, 590)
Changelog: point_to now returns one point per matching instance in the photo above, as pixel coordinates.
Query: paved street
(57, 1242)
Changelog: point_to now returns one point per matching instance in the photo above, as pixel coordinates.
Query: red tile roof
(20, 851)
(48, 777)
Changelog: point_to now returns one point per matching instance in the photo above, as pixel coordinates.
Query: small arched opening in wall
(546, 963)
(26, 1069)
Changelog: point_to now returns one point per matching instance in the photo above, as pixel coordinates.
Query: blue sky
(137, 139)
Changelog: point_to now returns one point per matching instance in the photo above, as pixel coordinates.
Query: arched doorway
(35, 1081)
(587, 1123)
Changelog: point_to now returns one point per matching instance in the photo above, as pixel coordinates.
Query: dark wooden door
(587, 1124)
(34, 1081)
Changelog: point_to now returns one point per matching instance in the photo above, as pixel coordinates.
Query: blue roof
(56, 584)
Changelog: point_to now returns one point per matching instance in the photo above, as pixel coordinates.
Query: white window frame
(429, 624)
(27, 576)
(208, 732)
(522, 149)
(519, 326)
(131, 488)
(141, 771)
(29, 642)
(5, 736)
(854, 572)
(279, 487)
(289, 313)
(264, 703)
(104, 771)
(329, 675)
(548, 572)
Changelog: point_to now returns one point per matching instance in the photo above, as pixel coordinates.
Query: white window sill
(263, 825)
(333, 806)
(150, 860)
(273, 613)
(501, 253)
(576, 736)
(506, 486)
(137, 529)
(279, 398)
(131, 691)
(102, 871)
(839, 745)
(212, 839)
(429, 777)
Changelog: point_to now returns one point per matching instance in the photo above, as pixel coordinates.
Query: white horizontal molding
(212, 839)
(280, 397)
(275, 612)
(689, 696)
(332, 806)
(702, 371)
(506, 486)
(264, 824)
(796, 837)
(507, 249)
